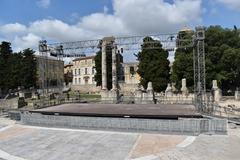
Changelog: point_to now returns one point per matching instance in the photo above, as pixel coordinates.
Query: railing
(44, 102)
(215, 109)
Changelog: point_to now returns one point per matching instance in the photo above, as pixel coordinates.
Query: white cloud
(44, 3)
(129, 17)
(103, 25)
(144, 16)
(13, 28)
(28, 41)
(233, 4)
(55, 30)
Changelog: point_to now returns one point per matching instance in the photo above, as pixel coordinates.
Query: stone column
(149, 96)
(114, 66)
(138, 95)
(237, 94)
(168, 91)
(216, 91)
(184, 87)
(174, 89)
(104, 65)
(21, 94)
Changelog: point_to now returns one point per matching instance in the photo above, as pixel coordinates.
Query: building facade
(83, 70)
(131, 78)
(130, 73)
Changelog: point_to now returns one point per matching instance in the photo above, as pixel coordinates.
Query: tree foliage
(16, 69)
(153, 64)
(222, 49)
(183, 65)
(29, 69)
(5, 53)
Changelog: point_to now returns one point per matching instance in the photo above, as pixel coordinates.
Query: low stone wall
(175, 99)
(226, 111)
(127, 89)
(86, 88)
(181, 126)
(9, 103)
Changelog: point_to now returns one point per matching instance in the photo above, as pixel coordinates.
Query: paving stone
(41, 144)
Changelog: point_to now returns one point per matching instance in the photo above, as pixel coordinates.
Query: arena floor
(123, 110)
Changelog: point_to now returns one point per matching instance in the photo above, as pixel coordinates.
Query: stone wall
(181, 126)
(175, 99)
(86, 88)
(127, 89)
(9, 103)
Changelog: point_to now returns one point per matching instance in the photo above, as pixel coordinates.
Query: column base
(110, 97)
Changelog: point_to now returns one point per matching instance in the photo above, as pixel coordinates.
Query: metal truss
(131, 43)
(199, 68)
(169, 42)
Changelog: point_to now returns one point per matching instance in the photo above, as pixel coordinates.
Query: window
(86, 71)
(75, 80)
(79, 80)
(93, 70)
(132, 70)
(79, 71)
(75, 71)
(86, 79)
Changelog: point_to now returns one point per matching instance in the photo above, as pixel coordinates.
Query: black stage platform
(152, 111)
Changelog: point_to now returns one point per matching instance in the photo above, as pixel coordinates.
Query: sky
(25, 22)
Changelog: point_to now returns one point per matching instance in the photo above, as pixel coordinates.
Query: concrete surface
(20, 142)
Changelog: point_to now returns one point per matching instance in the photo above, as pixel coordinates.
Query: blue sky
(31, 10)
(25, 22)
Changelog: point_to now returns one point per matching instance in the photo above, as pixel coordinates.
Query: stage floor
(154, 111)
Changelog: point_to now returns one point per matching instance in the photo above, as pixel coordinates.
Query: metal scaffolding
(169, 42)
(199, 68)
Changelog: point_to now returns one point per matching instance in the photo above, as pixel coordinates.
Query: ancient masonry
(109, 96)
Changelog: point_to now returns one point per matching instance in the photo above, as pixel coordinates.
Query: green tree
(29, 69)
(230, 61)
(17, 69)
(222, 59)
(183, 65)
(5, 74)
(222, 50)
(153, 64)
(98, 68)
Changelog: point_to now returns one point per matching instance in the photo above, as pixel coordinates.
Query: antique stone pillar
(168, 91)
(104, 65)
(174, 89)
(184, 87)
(216, 91)
(149, 96)
(237, 94)
(21, 94)
(138, 95)
(114, 66)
